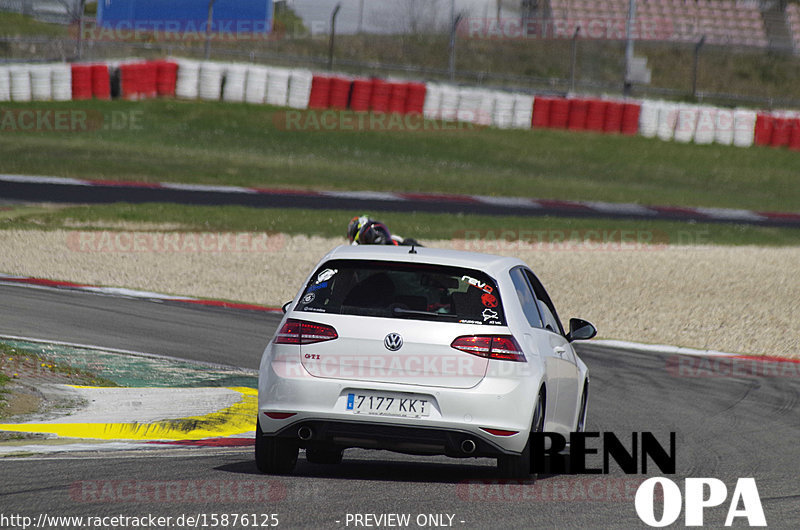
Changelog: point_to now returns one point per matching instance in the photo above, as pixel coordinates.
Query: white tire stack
(523, 111)
(210, 81)
(256, 84)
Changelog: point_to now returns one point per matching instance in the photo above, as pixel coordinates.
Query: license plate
(381, 404)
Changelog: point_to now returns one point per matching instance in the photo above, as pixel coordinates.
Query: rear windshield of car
(403, 290)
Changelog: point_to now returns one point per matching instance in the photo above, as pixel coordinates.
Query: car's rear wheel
(324, 456)
(275, 456)
(519, 466)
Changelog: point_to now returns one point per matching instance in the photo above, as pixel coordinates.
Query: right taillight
(500, 347)
(303, 332)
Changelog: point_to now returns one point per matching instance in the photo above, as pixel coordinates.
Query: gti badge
(393, 341)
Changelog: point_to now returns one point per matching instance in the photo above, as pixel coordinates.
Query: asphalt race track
(726, 428)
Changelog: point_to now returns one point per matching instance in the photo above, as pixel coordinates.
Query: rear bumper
(399, 438)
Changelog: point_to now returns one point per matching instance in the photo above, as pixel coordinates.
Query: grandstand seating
(723, 22)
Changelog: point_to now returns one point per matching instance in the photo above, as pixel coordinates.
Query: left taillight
(303, 332)
(500, 347)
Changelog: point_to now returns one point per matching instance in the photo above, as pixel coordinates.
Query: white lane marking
(44, 180)
(731, 214)
(218, 366)
(660, 348)
(620, 208)
(365, 195)
(517, 202)
(206, 187)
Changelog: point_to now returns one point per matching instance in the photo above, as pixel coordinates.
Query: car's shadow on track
(381, 469)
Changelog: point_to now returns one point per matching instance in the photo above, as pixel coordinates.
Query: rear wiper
(411, 312)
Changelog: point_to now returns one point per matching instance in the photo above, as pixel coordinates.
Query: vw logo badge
(393, 341)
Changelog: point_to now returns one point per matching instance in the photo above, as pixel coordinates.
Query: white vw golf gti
(419, 351)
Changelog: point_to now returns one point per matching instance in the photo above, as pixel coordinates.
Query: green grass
(238, 144)
(422, 226)
(15, 25)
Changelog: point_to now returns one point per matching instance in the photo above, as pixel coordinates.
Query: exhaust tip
(305, 433)
(468, 446)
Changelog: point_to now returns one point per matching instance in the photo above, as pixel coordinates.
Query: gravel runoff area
(735, 299)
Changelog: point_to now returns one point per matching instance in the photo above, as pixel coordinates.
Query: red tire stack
(559, 113)
(360, 95)
(101, 81)
(781, 132)
(541, 112)
(596, 115)
(794, 140)
(148, 79)
(340, 93)
(381, 94)
(397, 99)
(630, 118)
(320, 97)
(415, 102)
(81, 81)
(763, 133)
(578, 110)
(166, 77)
(613, 121)
(129, 80)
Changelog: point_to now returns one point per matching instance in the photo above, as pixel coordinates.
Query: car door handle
(560, 351)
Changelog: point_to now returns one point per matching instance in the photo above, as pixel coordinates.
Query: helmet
(365, 231)
(374, 233)
(354, 226)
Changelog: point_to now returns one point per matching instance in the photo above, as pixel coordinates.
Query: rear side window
(403, 290)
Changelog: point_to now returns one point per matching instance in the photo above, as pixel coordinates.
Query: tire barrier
(360, 95)
(20, 83)
(301, 89)
(211, 75)
(381, 96)
(233, 83)
(278, 87)
(101, 81)
(340, 92)
(41, 82)
(187, 84)
(432, 108)
(523, 111)
(255, 89)
(166, 77)
(5, 83)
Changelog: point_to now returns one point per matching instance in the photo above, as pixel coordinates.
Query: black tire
(324, 456)
(274, 456)
(519, 466)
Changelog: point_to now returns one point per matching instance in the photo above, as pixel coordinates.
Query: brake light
(303, 332)
(500, 347)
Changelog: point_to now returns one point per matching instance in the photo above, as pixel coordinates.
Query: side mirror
(580, 330)
(285, 306)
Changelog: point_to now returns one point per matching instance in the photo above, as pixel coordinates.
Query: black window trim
(550, 305)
